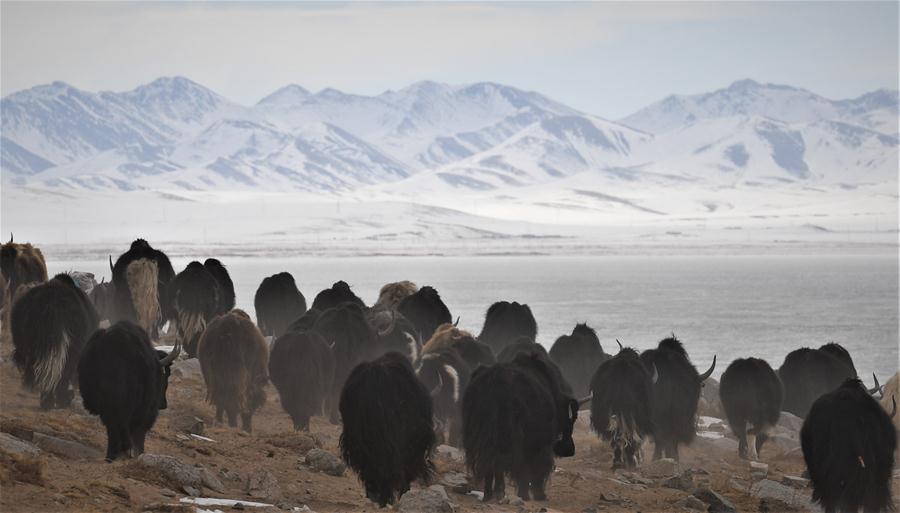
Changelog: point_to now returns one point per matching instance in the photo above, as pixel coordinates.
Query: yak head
(564, 447)
(165, 367)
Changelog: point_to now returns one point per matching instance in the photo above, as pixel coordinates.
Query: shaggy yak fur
(50, 324)
(446, 375)
(124, 380)
(516, 416)
(388, 435)
(338, 293)
(848, 443)
(141, 279)
(505, 323)
(675, 396)
(751, 397)
(808, 373)
(391, 294)
(301, 366)
(425, 310)
(395, 333)
(234, 357)
(578, 355)
(448, 336)
(20, 264)
(278, 302)
(196, 302)
(621, 390)
(226, 286)
(520, 345)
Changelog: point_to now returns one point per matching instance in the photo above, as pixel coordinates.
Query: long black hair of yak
(505, 322)
(426, 310)
(278, 302)
(139, 249)
(339, 292)
(578, 355)
(675, 396)
(621, 386)
(301, 366)
(388, 433)
(50, 324)
(226, 286)
(848, 442)
(197, 301)
(808, 373)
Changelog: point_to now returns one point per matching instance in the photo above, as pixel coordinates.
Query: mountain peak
(288, 94)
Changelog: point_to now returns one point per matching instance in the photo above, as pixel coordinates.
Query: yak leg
(219, 414)
(741, 431)
(499, 485)
(617, 456)
(751, 444)
(522, 482)
(455, 432)
(540, 469)
(112, 441)
(672, 450)
(64, 395)
(760, 440)
(247, 422)
(660, 448)
(488, 488)
(232, 417)
(47, 400)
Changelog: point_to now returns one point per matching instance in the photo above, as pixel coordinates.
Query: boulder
(428, 500)
(187, 369)
(795, 482)
(449, 452)
(323, 461)
(457, 482)
(17, 446)
(661, 468)
(692, 503)
(263, 485)
(66, 448)
(181, 473)
(789, 422)
(768, 489)
(683, 481)
(717, 503)
(709, 404)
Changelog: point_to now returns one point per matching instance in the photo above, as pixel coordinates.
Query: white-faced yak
(751, 396)
(123, 379)
(141, 279)
(234, 359)
(388, 435)
(673, 401)
(278, 303)
(848, 443)
(505, 323)
(196, 299)
(50, 324)
(516, 416)
(621, 390)
(578, 355)
(301, 366)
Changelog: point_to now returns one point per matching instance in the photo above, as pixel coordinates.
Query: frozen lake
(732, 306)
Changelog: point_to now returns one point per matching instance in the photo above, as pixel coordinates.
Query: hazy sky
(605, 58)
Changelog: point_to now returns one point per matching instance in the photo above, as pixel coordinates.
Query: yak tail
(488, 428)
(142, 277)
(191, 326)
(49, 368)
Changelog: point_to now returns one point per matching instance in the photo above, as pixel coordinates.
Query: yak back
(225, 285)
(621, 386)
(677, 391)
(426, 310)
(505, 322)
(339, 292)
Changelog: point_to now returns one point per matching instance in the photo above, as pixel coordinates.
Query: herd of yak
(400, 376)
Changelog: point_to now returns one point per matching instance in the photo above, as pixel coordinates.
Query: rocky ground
(53, 461)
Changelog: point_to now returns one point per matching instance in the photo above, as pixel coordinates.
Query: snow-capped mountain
(174, 134)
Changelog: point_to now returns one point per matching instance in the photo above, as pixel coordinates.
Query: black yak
(848, 442)
(425, 310)
(103, 297)
(516, 416)
(521, 345)
(196, 299)
(301, 366)
(353, 342)
(234, 359)
(278, 302)
(338, 293)
(123, 379)
(808, 373)
(141, 279)
(391, 294)
(51, 323)
(395, 333)
(388, 434)
(673, 401)
(505, 323)
(20, 264)
(751, 396)
(225, 285)
(447, 376)
(621, 391)
(578, 355)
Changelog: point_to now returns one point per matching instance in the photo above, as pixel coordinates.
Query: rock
(169, 508)
(229, 476)
(795, 482)
(190, 490)
(725, 444)
(784, 442)
(60, 498)
(17, 446)
(739, 485)
(758, 470)
(187, 369)
(181, 473)
(516, 502)
(187, 423)
(66, 448)
(768, 489)
(709, 404)
(449, 452)
(323, 461)
(429, 500)
(716, 502)
(661, 468)
(263, 485)
(683, 481)
(165, 492)
(692, 503)
(457, 482)
(790, 422)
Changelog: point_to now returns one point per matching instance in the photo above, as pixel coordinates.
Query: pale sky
(608, 59)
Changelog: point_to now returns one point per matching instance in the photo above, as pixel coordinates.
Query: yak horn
(102, 280)
(620, 344)
(585, 400)
(455, 324)
(390, 328)
(655, 377)
(877, 388)
(894, 408)
(10, 238)
(707, 374)
(437, 389)
(110, 264)
(169, 358)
